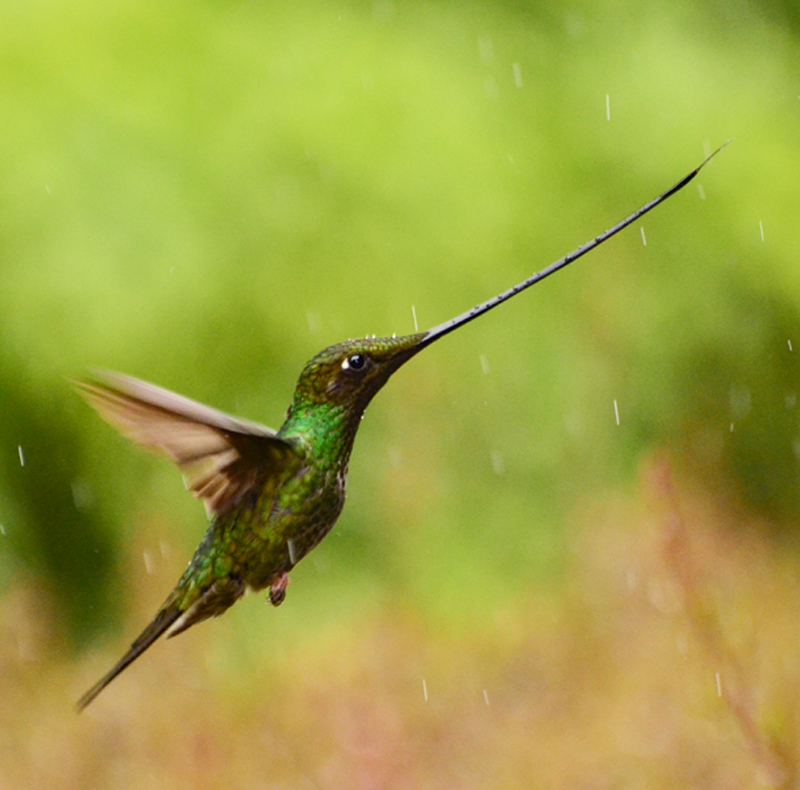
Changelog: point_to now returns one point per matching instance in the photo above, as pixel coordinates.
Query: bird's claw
(277, 590)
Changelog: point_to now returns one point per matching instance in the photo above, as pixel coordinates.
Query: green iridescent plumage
(271, 496)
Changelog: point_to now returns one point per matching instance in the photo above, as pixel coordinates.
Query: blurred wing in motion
(222, 458)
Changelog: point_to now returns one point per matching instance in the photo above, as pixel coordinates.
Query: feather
(222, 458)
(167, 615)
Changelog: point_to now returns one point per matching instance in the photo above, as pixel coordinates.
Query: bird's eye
(354, 362)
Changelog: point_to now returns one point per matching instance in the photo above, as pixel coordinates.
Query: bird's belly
(289, 524)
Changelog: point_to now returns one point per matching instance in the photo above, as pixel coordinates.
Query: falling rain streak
(644, 238)
(81, 494)
(608, 107)
(498, 465)
(761, 229)
(312, 319)
(414, 313)
(616, 411)
(424, 689)
(21, 455)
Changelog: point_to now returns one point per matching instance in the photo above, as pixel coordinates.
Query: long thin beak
(448, 326)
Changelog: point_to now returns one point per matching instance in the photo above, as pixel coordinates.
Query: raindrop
(739, 401)
(517, 74)
(644, 238)
(486, 697)
(384, 10)
(312, 319)
(485, 49)
(21, 455)
(573, 424)
(616, 411)
(608, 107)
(719, 685)
(149, 565)
(484, 363)
(701, 191)
(395, 456)
(576, 25)
(424, 689)
(498, 465)
(761, 229)
(292, 555)
(414, 313)
(81, 494)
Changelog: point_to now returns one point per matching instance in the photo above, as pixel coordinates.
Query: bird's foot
(277, 590)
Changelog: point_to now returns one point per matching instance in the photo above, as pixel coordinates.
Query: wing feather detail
(222, 458)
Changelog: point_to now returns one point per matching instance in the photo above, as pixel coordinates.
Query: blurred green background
(205, 194)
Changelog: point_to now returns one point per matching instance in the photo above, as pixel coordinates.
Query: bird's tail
(166, 616)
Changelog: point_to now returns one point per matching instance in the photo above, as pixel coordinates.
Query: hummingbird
(271, 496)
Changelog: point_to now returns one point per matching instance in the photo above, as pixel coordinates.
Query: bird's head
(350, 374)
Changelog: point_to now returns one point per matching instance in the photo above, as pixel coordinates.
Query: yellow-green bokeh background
(205, 194)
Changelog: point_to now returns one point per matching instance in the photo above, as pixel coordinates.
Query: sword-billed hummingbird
(271, 495)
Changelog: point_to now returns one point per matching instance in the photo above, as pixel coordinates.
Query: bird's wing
(222, 458)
